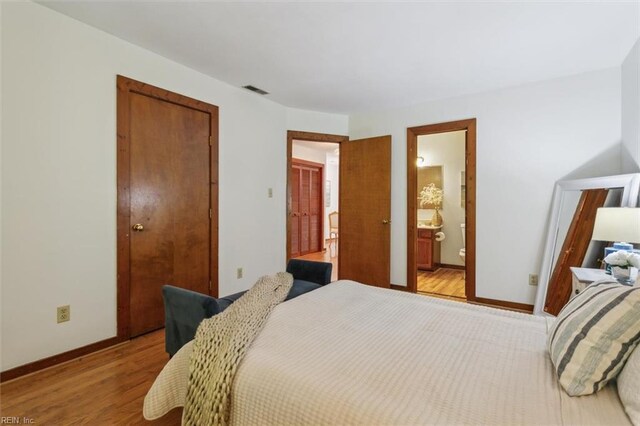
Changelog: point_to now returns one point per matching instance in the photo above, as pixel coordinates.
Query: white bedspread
(354, 354)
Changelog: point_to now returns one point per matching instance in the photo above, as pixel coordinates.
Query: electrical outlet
(533, 279)
(64, 313)
(239, 274)
(270, 192)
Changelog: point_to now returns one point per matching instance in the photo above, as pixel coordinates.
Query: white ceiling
(349, 57)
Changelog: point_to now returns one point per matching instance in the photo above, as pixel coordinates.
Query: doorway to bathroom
(441, 160)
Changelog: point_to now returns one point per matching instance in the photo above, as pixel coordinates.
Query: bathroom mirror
(428, 175)
(568, 240)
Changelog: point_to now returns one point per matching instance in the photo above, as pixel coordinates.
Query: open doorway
(313, 197)
(441, 210)
(440, 255)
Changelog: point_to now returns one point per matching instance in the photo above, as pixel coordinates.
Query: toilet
(464, 241)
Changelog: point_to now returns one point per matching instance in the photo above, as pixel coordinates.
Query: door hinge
(210, 140)
(210, 213)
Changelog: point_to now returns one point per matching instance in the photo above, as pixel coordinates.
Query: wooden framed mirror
(568, 240)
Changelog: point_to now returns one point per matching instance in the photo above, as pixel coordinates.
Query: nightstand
(582, 277)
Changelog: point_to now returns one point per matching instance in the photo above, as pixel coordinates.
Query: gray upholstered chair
(185, 309)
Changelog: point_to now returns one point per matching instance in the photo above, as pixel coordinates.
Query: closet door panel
(305, 194)
(295, 212)
(307, 209)
(315, 216)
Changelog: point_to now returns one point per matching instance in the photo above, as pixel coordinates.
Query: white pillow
(629, 387)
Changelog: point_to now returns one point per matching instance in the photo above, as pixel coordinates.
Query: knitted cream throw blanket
(219, 346)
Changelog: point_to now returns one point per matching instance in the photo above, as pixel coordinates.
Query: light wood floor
(329, 255)
(105, 388)
(443, 281)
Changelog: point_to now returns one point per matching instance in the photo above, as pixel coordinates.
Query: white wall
(447, 150)
(319, 122)
(528, 137)
(631, 110)
(59, 176)
(332, 174)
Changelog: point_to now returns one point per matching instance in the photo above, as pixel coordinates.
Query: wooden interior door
(306, 207)
(172, 236)
(574, 249)
(365, 211)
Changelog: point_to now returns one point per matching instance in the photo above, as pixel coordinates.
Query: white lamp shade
(617, 224)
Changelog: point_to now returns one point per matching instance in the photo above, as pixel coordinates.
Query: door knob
(138, 227)
(386, 221)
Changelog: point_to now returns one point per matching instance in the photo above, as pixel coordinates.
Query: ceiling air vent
(255, 89)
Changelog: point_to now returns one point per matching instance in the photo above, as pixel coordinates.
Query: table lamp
(619, 225)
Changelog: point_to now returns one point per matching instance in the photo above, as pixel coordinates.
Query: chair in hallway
(333, 226)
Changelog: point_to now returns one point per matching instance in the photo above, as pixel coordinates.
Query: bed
(349, 353)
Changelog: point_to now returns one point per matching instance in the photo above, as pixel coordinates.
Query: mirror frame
(630, 183)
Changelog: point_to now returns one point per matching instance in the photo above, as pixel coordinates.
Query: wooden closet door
(307, 208)
(170, 219)
(315, 210)
(305, 198)
(295, 211)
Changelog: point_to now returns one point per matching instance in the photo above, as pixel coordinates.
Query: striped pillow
(594, 335)
(629, 387)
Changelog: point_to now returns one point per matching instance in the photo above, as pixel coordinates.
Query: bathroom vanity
(428, 249)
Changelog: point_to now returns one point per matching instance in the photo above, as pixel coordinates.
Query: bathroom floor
(443, 281)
